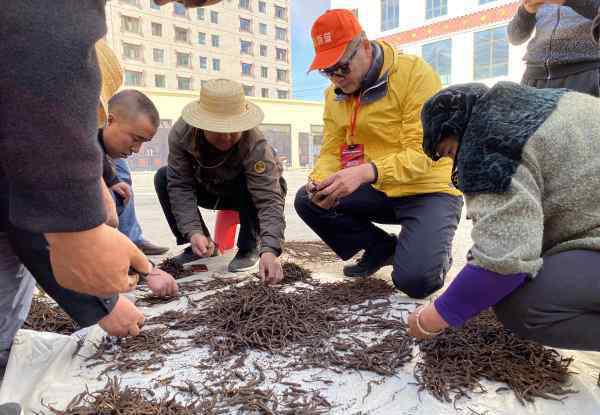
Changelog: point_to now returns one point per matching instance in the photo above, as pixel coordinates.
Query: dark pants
(32, 250)
(239, 199)
(560, 307)
(423, 253)
(586, 82)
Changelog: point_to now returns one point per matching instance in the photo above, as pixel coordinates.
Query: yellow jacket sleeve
(410, 163)
(328, 161)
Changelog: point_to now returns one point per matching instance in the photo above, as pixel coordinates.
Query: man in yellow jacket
(372, 167)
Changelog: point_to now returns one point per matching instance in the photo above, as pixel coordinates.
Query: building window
(282, 75)
(203, 62)
(246, 47)
(200, 13)
(262, 7)
(390, 14)
(436, 8)
(158, 55)
(247, 69)
(264, 92)
(263, 50)
(156, 29)
(245, 25)
(184, 83)
(485, 1)
(283, 94)
(355, 13)
(203, 83)
(184, 59)
(131, 25)
(214, 39)
(281, 54)
(262, 28)
(249, 90)
(491, 53)
(201, 38)
(160, 81)
(214, 17)
(439, 56)
(133, 78)
(216, 64)
(280, 12)
(179, 10)
(154, 5)
(244, 4)
(132, 52)
(280, 33)
(264, 72)
(182, 35)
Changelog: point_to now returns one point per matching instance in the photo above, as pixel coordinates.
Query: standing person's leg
(424, 248)
(586, 82)
(16, 291)
(128, 223)
(560, 307)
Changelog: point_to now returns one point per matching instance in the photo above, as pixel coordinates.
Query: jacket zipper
(550, 44)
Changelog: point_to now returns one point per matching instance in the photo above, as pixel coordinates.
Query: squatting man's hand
(125, 319)
(201, 245)
(269, 268)
(161, 283)
(326, 193)
(428, 320)
(123, 190)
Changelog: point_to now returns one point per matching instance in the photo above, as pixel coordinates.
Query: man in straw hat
(372, 168)
(219, 159)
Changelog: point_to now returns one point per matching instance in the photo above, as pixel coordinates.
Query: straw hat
(112, 78)
(222, 108)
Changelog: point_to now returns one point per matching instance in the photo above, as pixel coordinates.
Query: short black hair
(130, 103)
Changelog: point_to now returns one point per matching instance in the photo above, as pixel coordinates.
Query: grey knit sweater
(563, 34)
(552, 204)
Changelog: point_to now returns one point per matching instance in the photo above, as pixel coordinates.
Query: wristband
(420, 327)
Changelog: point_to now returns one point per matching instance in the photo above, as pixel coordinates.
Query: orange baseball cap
(331, 33)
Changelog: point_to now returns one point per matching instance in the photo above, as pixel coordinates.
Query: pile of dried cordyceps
(45, 315)
(454, 363)
(313, 251)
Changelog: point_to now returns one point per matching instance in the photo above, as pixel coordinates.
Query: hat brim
(196, 116)
(328, 58)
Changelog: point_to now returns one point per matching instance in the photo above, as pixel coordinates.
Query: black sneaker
(188, 255)
(371, 261)
(244, 261)
(10, 409)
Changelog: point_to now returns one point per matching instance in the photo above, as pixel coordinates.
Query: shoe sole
(250, 268)
(389, 262)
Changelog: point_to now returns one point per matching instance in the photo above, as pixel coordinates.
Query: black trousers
(239, 199)
(32, 250)
(423, 253)
(560, 307)
(586, 82)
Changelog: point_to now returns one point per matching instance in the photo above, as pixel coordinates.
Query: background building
(464, 40)
(173, 47)
(168, 52)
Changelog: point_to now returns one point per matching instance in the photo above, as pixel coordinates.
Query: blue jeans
(128, 223)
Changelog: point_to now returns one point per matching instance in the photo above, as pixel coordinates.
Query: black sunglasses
(340, 68)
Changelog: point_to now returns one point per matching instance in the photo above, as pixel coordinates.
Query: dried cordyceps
(454, 363)
(47, 316)
(179, 271)
(117, 400)
(313, 251)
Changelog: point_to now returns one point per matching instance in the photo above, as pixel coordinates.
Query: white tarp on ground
(51, 369)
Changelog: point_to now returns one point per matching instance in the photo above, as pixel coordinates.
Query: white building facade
(464, 40)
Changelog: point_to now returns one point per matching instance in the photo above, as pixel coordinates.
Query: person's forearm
(586, 8)
(521, 26)
(474, 290)
(48, 115)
